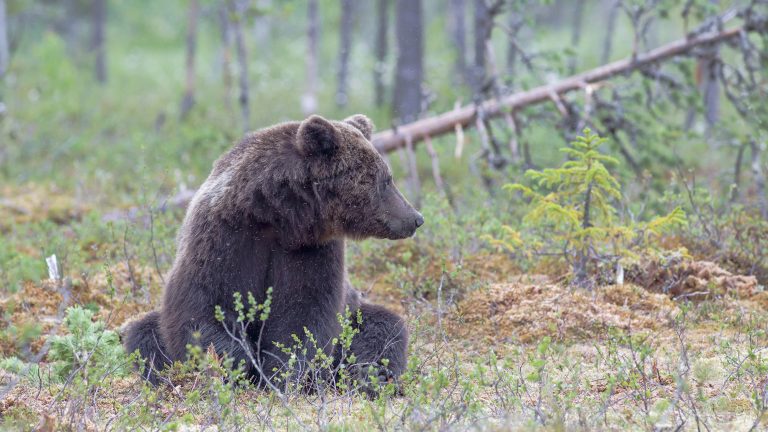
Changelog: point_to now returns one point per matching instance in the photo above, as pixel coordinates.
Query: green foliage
(573, 208)
(16, 267)
(87, 350)
(28, 371)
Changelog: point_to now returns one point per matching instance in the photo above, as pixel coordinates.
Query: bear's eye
(386, 182)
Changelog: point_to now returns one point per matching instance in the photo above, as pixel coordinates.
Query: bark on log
(389, 140)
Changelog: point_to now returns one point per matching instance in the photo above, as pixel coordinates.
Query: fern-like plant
(575, 204)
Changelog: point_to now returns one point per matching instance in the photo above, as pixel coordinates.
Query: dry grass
(33, 202)
(506, 320)
(527, 312)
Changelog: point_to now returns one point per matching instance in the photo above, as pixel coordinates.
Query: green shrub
(573, 212)
(88, 349)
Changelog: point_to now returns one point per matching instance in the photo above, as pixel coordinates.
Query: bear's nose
(419, 220)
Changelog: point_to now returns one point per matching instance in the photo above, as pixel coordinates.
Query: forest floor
(680, 343)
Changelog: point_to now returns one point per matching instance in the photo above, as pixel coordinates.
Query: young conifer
(576, 204)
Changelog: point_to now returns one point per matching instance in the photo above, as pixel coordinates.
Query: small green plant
(573, 211)
(28, 371)
(88, 349)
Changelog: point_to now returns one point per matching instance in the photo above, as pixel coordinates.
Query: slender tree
(235, 12)
(709, 65)
(613, 16)
(309, 99)
(578, 15)
(345, 46)
(226, 53)
(188, 101)
(457, 29)
(382, 27)
(707, 78)
(98, 35)
(515, 23)
(410, 56)
(5, 54)
(483, 27)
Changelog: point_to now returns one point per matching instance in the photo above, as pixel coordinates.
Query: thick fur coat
(275, 212)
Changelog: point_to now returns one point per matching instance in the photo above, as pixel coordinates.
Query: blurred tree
(515, 23)
(578, 15)
(409, 27)
(189, 91)
(708, 70)
(457, 29)
(309, 99)
(613, 7)
(226, 54)
(236, 12)
(99, 22)
(382, 30)
(483, 28)
(707, 75)
(5, 55)
(345, 46)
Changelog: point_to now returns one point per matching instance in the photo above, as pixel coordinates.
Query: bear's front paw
(372, 380)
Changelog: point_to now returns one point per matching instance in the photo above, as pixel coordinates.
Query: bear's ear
(361, 123)
(317, 136)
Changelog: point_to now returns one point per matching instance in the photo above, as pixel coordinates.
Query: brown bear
(274, 212)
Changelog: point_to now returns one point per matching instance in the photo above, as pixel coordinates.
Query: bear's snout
(400, 218)
(419, 220)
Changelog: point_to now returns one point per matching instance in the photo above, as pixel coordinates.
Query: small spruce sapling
(575, 204)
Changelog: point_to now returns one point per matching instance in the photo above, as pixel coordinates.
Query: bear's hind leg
(143, 335)
(381, 343)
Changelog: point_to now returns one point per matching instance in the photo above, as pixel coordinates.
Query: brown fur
(274, 212)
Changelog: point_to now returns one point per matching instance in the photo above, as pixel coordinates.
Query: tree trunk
(515, 20)
(410, 56)
(382, 26)
(5, 54)
(613, 16)
(237, 30)
(707, 73)
(188, 101)
(226, 54)
(759, 176)
(483, 27)
(309, 99)
(710, 87)
(578, 14)
(710, 68)
(99, 18)
(345, 46)
(457, 27)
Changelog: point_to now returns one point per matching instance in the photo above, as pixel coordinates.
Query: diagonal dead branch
(389, 140)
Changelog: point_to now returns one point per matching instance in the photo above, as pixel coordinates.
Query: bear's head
(350, 181)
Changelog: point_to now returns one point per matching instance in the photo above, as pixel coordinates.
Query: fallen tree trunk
(389, 140)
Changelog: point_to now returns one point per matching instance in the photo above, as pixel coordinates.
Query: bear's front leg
(308, 294)
(226, 341)
(380, 347)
